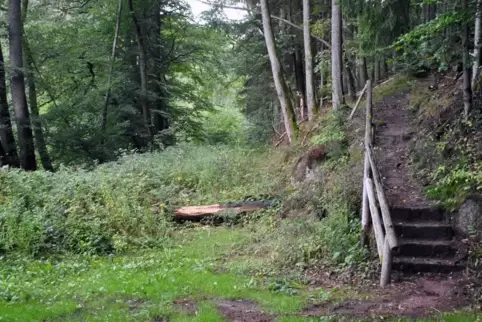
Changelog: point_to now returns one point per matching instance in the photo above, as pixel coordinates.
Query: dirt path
(392, 135)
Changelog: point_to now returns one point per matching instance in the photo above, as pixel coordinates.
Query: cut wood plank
(198, 212)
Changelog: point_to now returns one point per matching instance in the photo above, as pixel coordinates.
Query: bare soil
(188, 306)
(418, 296)
(242, 311)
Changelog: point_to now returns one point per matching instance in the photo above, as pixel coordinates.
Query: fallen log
(199, 212)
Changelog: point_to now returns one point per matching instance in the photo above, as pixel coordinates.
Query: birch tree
(278, 77)
(310, 91)
(336, 55)
(476, 66)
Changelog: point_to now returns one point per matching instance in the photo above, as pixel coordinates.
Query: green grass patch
(137, 286)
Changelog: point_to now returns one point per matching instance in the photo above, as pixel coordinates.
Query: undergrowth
(111, 208)
(446, 153)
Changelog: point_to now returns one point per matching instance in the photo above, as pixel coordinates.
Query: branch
(327, 44)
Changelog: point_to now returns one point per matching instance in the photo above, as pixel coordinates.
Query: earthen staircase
(427, 242)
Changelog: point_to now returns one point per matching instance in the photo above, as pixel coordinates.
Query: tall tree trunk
(19, 99)
(111, 70)
(350, 82)
(146, 114)
(36, 121)
(310, 82)
(376, 68)
(322, 76)
(466, 62)
(336, 65)
(32, 99)
(300, 80)
(158, 81)
(280, 84)
(477, 56)
(363, 72)
(7, 139)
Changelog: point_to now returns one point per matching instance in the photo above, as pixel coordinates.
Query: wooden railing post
(386, 264)
(382, 200)
(376, 220)
(366, 170)
(386, 240)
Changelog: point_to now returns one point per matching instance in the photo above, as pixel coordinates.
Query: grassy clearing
(142, 286)
(138, 287)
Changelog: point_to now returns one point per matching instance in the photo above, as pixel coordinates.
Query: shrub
(109, 208)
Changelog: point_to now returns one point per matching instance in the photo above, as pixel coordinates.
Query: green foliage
(452, 186)
(427, 44)
(109, 208)
(226, 126)
(332, 134)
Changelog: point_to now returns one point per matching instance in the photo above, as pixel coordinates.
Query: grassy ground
(141, 286)
(200, 265)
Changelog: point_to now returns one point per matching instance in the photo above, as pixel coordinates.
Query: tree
(7, 139)
(278, 77)
(141, 46)
(310, 83)
(467, 86)
(19, 99)
(477, 44)
(32, 98)
(111, 70)
(336, 55)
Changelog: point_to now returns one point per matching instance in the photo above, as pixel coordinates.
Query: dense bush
(109, 208)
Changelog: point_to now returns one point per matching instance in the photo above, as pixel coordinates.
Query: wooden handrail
(383, 228)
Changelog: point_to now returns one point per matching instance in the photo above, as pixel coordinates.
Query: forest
(225, 160)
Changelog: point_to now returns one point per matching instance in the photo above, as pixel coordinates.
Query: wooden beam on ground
(199, 212)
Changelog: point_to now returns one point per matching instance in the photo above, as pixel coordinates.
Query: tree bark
(467, 68)
(477, 56)
(310, 82)
(350, 82)
(19, 99)
(336, 65)
(300, 80)
(7, 138)
(32, 99)
(279, 81)
(158, 82)
(322, 78)
(146, 114)
(111, 70)
(376, 68)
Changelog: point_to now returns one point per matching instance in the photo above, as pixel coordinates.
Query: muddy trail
(415, 297)
(393, 133)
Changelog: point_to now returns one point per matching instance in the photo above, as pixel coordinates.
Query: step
(430, 230)
(427, 248)
(425, 265)
(417, 214)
